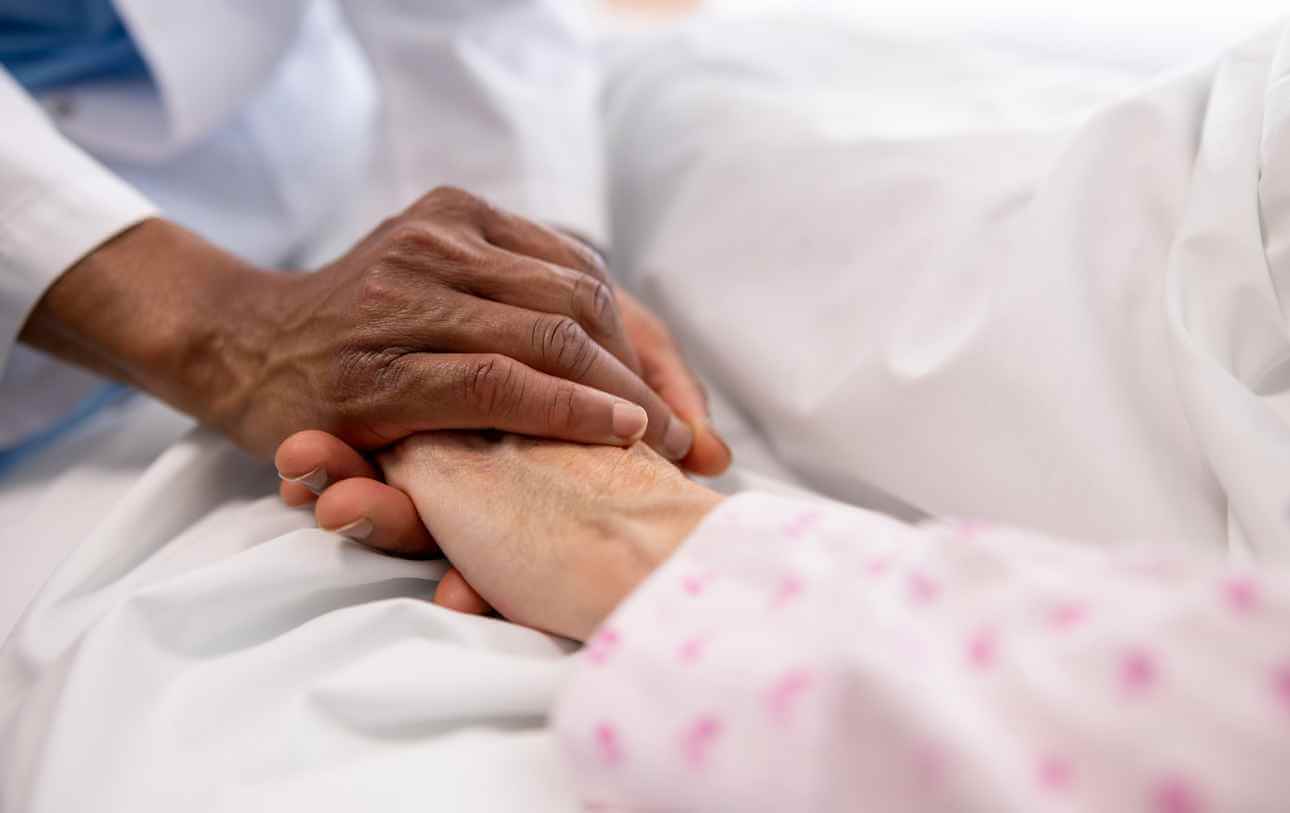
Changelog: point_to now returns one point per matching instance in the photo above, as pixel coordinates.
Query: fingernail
(679, 438)
(629, 421)
(358, 530)
(315, 480)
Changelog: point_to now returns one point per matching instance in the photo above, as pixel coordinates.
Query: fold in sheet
(964, 283)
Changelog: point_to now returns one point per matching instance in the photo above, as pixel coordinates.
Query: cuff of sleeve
(763, 524)
(43, 235)
(739, 564)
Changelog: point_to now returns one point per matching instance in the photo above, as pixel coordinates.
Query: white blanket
(905, 262)
(892, 260)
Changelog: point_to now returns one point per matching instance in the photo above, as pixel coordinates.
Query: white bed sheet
(207, 648)
(204, 647)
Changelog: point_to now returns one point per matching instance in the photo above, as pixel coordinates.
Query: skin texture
(453, 314)
(552, 535)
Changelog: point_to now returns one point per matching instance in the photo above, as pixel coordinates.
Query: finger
(520, 235)
(377, 515)
(545, 287)
(668, 375)
(294, 495)
(309, 461)
(455, 593)
(665, 370)
(558, 346)
(524, 238)
(493, 391)
(509, 231)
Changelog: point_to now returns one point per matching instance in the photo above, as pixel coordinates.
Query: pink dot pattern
(784, 694)
(696, 583)
(983, 648)
(1175, 794)
(600, 648)
(1067, 615)
(790, 587)
(877, 566)
(1281, 685)
(1242, 594)
(1055, 773)
(801, 524)
(691, 650)
(607, 744)
(1139, 671)
(923, 589)
(839, 677)
(698, 739)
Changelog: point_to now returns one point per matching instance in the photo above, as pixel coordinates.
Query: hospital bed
(829, 183)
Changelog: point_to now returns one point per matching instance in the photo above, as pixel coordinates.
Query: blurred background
(1136, 33)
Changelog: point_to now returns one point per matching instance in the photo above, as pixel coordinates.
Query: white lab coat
(281, 131)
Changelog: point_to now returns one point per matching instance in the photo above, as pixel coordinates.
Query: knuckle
(448, 193)
(410, 237)
(588, 256)
(420, 244)
(387, 224)
(561, 415)
(367, 372)
(453, 201)
(359, 380)
(591, 257)
(594, 302)
(563, 345)
(493, 386)
(379, 289)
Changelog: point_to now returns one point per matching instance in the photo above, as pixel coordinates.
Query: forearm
(163, 310)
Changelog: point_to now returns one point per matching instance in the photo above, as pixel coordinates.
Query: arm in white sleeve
(500, 98)
(56, 205)
(798, 657)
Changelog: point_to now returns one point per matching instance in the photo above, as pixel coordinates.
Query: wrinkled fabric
(963, 283)
(800, 656)
(203, 647)
(206, 648)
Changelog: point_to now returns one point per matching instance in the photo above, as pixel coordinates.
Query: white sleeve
(56, 205)
(499, 98)
(793, 656)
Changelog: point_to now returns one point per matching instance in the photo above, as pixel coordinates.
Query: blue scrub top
(47, 44)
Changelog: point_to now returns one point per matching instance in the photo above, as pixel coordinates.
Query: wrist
(206, 345)
(159, 308)
(219, 357)
(645, 536)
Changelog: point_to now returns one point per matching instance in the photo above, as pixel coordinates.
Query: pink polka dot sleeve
(799, 656)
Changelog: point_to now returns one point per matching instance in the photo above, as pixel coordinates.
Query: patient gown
(795, 655)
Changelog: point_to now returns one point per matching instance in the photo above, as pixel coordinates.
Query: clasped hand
(457, 315)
